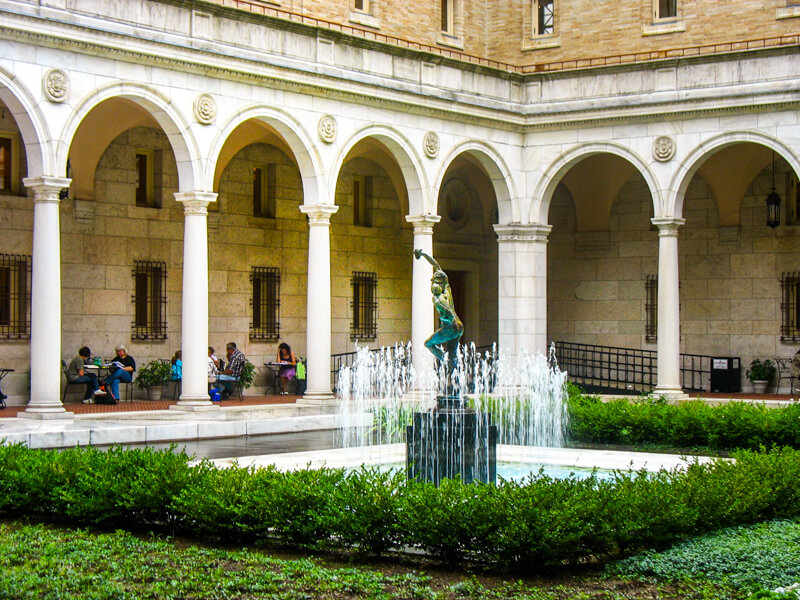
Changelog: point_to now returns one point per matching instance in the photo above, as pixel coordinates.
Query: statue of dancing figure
(451, 328)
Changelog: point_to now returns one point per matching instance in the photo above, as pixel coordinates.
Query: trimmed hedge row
(532, 524)
(687, 425)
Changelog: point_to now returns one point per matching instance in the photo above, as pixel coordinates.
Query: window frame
(658, 17)
(15, 305)
(265, 324)
(264, 206)
(364, 306)
(13, 138)
(149, 301)
(538, 18)
(651, 308)
(362, 200)
(790, 306)
(148, 201)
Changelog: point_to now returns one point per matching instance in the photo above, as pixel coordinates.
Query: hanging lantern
(773, 201)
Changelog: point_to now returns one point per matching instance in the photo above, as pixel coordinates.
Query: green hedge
(691, 424)
(532, 524)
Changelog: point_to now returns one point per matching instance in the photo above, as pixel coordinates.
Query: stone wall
(729, 276)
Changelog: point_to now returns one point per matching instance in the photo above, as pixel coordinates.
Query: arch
(32, 126)
(496, 168)
(162, 109)
(402, 151)
(694, 160)
(291, 131)
(543, 193)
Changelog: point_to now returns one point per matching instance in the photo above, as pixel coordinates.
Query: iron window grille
(651, 309)
(265, 303)
(364, 305)
(15, 297)
(790, 307)
(149, 300)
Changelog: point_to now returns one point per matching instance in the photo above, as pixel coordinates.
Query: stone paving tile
(87, 409)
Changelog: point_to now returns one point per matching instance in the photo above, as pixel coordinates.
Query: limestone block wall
(102, 238)
(729, 276)
(385, 248)
(16, 224)
(239, 241)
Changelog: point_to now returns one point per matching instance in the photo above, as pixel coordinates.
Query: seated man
(125, 366)
(77, 374)
(230, 375)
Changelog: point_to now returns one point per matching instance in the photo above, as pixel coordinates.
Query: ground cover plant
(50, 563)
(764, 556)
(529, 525)
(693, 424)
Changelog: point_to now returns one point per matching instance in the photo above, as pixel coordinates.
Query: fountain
(447, 427)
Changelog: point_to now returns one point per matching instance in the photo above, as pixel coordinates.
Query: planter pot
(154, 392)
(759, 386)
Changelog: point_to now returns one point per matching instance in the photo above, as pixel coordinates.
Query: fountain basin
(388, 454)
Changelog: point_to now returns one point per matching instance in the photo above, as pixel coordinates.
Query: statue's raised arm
(419, 254)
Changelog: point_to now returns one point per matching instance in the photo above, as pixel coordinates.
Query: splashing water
(524, 395)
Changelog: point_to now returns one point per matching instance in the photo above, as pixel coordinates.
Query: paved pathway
(139, 405)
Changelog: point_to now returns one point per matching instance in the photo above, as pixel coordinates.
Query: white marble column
(669, 322)
(421, 303)
(194, 310)
(318, 319)
(522, 287)
(45, 400)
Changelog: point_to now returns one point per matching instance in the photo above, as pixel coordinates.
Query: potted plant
(154, 376)
(760, 373)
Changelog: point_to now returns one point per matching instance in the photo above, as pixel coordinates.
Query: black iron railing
(631, 370)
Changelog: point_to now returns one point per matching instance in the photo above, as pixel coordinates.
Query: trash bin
(726, 373)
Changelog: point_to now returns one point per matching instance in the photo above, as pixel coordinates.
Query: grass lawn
(49, 562)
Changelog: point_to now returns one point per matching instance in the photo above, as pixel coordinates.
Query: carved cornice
(513, 118)
(195, 203)
(46, 189)
(423, 224)
(668, 226)
(319, 214)
(518, 232)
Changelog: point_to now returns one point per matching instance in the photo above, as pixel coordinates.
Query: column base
(49, 414)
(671, 393)
(317, 399)
(202, 404)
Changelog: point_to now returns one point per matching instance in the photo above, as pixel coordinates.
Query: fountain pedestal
(452, 440)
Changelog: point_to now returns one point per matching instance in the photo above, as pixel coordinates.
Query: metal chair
(80, 384)
(785, 372)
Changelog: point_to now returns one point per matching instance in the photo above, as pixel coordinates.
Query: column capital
(519, 232)
(46, 188)
(668, 226)
(195, 202)
(423, 224)
(319, 214)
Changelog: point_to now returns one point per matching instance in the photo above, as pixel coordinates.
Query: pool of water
(518, 471)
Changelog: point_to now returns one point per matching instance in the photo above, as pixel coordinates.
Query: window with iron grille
(364, 305)
(265, 303)
(543, 17)
(15, 297)
(149, 300)
(790, 307)
(651, 309)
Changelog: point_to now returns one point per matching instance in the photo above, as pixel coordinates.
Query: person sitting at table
(118, 373)
(213, 366)
(77, 374)
(228, 377)
(287, 372)
(177, 367)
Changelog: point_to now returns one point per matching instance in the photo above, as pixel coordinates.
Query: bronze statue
(451, 328)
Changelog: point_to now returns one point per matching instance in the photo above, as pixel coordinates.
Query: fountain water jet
(447, 426)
